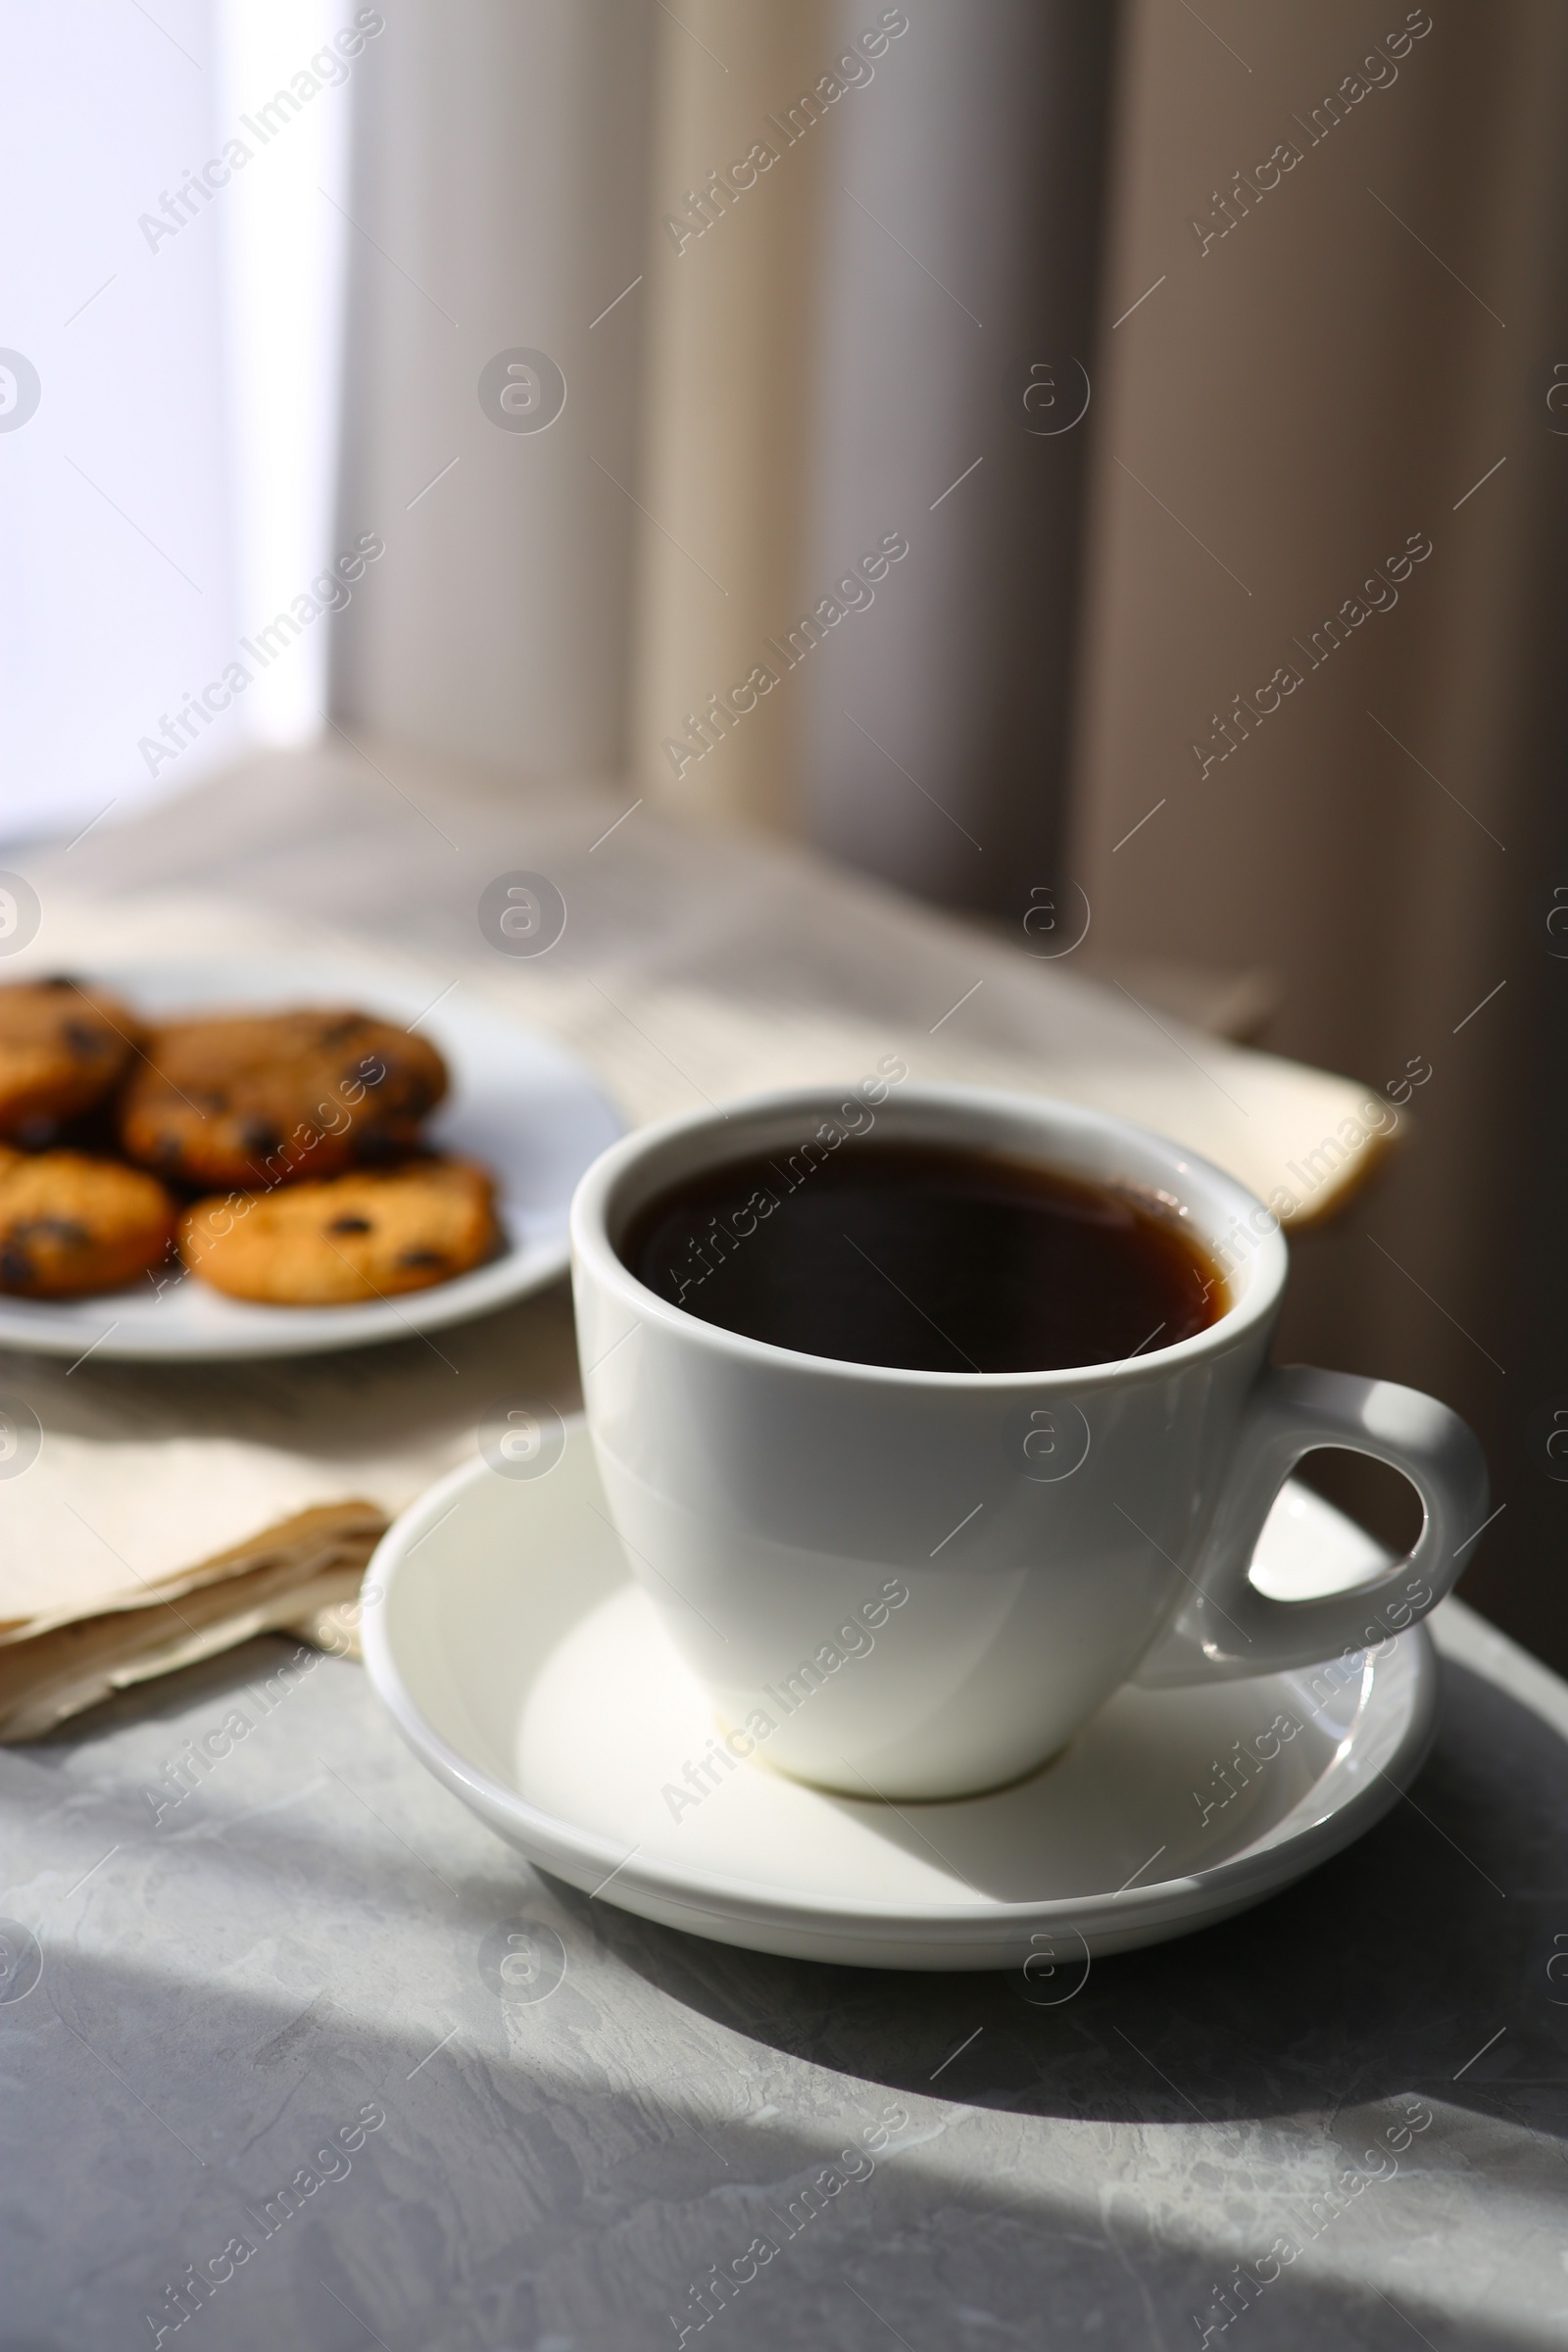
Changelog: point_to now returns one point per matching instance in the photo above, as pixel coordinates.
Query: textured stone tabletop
(312, 2035)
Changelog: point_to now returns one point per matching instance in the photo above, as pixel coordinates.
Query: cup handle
(1226, 1626)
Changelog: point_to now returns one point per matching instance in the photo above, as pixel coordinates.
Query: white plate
(528, 1672)
(520, 1103)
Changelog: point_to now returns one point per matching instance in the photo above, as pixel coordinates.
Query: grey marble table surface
(308, 2058)
(262, 2036)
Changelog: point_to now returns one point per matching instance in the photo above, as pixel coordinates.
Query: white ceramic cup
(927, 1582)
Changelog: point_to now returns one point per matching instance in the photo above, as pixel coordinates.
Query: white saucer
(529, 1673)
(520, 1103)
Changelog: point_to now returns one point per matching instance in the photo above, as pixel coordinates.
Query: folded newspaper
(173, 1510)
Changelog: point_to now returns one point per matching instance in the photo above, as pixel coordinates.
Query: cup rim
(594, 1253)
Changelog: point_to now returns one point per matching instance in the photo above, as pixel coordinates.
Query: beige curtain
(732, 251)
(500, 166)
(866, 226)
(1346, 355)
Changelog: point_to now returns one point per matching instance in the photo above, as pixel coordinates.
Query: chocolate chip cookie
(258, 1100)
(71, 1225)
(366, 1235)
(63, 1046)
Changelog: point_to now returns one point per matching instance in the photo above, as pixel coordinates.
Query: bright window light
(285, 74)
(116, 604)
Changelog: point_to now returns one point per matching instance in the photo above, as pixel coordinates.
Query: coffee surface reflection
(925, 1257)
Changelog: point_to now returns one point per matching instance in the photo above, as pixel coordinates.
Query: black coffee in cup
(932, 1257)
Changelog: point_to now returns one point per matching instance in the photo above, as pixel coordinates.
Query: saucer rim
(554, 1842)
